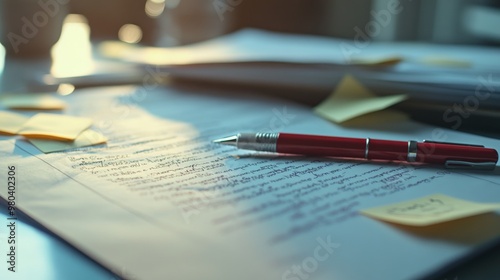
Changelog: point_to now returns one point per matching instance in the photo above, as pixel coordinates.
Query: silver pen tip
(231, 141)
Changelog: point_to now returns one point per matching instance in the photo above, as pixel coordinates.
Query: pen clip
(452, 143)
(470, 165)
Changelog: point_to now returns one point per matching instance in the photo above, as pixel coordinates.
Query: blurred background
(177, 22)
(83, 24)
(173, 22)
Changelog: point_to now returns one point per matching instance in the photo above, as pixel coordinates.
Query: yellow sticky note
(22, 101)
(54, 127)
(11, 123)
(377, 61)
(351, 99)
(429, 210)
(87, 138)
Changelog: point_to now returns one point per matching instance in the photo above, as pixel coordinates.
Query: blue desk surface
(42, 255)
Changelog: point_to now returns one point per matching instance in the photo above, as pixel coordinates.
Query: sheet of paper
(429, 210)
(11, 123)
(54, 127)
(446, 62)
(243, 46)
(193, 207)
(23, 101)
(351, 99)
(259, 45)
(376, 61)
(87, 138)
(316, 62)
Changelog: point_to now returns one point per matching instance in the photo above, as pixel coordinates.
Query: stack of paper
(467, 76)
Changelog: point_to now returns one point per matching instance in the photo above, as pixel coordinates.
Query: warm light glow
(130, 33)
(72, 54)
(2, 58)
(154, 8)
(65, 89)
(201, 53)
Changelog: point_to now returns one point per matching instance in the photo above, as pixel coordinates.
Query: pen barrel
(359, 148)
(315, 145)
(388, 150)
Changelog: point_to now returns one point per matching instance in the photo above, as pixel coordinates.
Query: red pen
(451, 155)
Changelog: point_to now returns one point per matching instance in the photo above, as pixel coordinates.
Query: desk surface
(48, 257)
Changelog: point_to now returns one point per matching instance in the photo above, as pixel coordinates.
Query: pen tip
(231, 141)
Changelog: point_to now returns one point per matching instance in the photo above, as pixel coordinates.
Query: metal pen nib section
(230, 141)
(265, 142)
